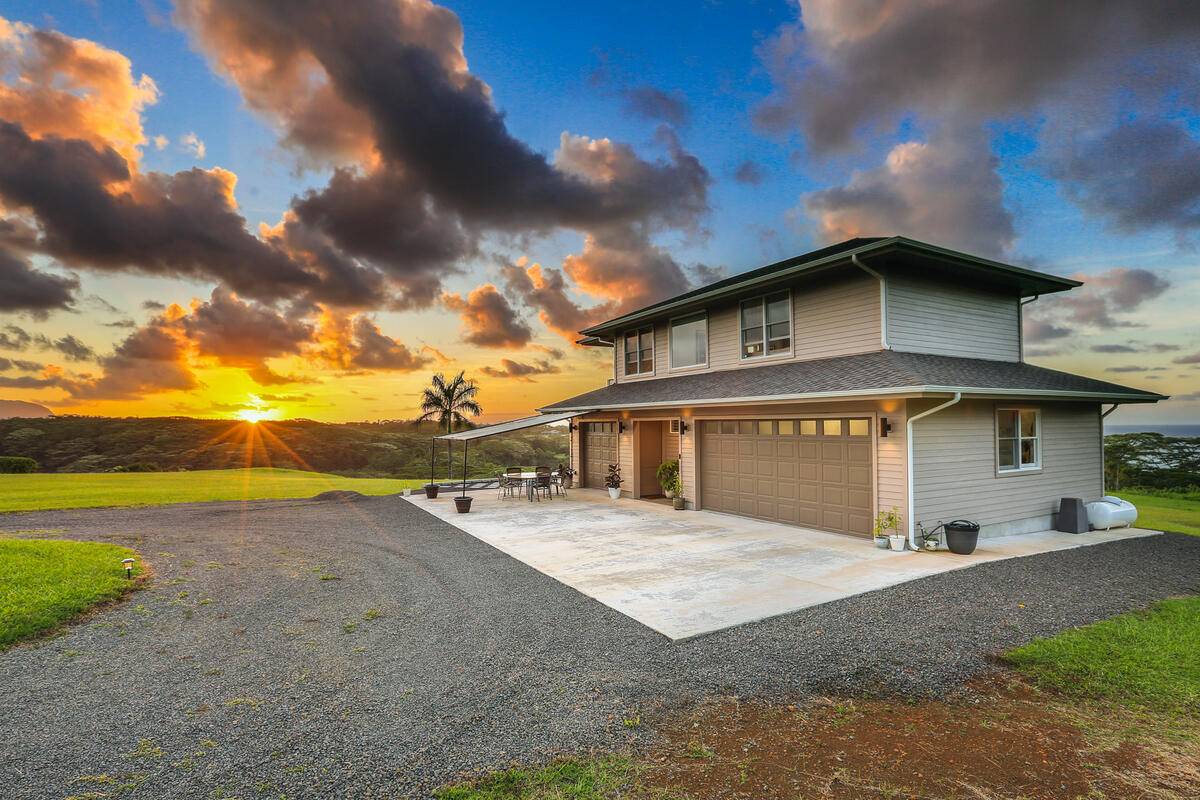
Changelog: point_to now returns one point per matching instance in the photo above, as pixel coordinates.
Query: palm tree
(448, 402)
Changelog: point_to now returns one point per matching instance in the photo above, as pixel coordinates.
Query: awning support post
(432, 456)
(466, 443)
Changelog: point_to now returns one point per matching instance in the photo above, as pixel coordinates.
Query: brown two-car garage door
(599, 440)
(810, 472)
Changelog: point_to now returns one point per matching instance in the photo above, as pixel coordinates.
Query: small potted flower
(567, 476)
(666, 474)
(887, 521)
(676, 495)
(612, 481)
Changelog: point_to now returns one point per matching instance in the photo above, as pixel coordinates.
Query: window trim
(653, 351)
(766, 355)
(1020, 469)
(707, 343)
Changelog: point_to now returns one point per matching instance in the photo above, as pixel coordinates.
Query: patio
(688, 573)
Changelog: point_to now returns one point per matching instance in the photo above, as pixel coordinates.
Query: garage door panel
(821, 480)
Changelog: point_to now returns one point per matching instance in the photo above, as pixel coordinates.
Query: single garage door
(599, 441)
(810, 472)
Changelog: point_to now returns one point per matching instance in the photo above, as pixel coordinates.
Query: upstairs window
(689, 341)
(639, 351)
(767, 325)
(1018, 439)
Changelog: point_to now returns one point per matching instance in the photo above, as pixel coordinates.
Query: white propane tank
(1111, 512)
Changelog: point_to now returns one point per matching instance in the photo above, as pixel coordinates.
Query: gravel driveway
(364, 648)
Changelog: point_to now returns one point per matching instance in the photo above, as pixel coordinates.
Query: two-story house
(875, 374)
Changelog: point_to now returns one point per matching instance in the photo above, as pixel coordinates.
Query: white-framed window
(639, 351)
(688, 341)
(766, 325)
(1018, 439)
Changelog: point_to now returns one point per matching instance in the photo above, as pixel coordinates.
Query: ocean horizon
(1182, 430)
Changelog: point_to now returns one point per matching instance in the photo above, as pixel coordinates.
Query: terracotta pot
(462, 504)
(431, 490)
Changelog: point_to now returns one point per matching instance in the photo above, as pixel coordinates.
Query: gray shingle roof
(857, 374)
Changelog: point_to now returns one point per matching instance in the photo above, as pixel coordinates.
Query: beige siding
(670, 446)
(955, 465)
(833, 315)
(947, 319)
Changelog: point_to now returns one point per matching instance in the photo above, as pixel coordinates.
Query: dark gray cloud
(655, 104)
(1193, 358)
(1036, 330)
(855, 65)
(245, 334)
(20, 365)
(488, 319)
(521, 371)
(1103, 303)
(749, 173)
(73, 349)
(1141, 174)
(1112, 348)
(37, 292)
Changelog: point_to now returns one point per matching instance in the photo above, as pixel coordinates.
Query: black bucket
(962, 536)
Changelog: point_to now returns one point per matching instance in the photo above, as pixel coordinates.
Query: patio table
(527, 479)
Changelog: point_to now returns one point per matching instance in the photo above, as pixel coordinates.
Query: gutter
(912, 528)
(1021, 325)
(1103, 465)
(883, 319)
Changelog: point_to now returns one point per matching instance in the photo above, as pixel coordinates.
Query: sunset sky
(304, 208)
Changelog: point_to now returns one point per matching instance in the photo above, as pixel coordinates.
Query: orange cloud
(488, 319)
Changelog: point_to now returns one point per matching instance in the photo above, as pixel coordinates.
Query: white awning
(512, 425)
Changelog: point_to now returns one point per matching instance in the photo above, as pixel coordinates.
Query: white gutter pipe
(1103, 465)
(1021, 324)
(912, 527)
(883, 326)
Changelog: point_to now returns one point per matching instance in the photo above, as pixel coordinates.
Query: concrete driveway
(688, 573)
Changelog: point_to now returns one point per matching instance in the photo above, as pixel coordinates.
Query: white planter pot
(614, 492)
(896, 542)
(881, 542)
(667, 493)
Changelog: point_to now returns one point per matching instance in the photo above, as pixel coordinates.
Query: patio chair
(543, 483)
(510, 482)
(560, 485)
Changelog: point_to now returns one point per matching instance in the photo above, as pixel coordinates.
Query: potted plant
(431, 491)
(612, 481)
(667, 472)
(676, 495)
(567, 476)
(462, 503)
(887, 521)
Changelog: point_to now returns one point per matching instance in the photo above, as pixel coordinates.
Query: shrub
(17, 464)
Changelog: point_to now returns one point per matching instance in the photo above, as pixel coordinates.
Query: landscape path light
(128, 564)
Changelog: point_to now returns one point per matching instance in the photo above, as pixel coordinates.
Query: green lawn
(1145, 659)
(84, 490)
(1178, 512)
(46, 582)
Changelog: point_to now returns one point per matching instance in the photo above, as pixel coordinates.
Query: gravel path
(364, 648)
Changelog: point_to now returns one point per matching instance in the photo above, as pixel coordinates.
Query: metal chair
(543, 483)
(560, 485)
(510, 482)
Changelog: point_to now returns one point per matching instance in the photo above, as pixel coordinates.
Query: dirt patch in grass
(1002, 739)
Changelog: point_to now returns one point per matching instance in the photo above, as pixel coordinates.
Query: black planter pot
(462, 504)
(962, 537)
(431, 490)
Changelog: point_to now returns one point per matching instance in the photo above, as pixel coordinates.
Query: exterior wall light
(884, 427)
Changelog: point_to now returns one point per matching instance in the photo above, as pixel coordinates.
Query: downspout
(1103, 465)
(883, 321)
(912, 527)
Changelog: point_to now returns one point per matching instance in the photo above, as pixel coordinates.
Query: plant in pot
(431, 491)
(567, 476)
(676, 495)
(612, 481)
(462, 503)
(886, 521)
(667, 473)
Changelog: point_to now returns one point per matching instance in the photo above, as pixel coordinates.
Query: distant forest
(396, 449)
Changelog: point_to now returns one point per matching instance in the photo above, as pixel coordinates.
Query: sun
(254, 415)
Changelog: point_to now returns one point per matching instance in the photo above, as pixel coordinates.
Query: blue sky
(555, 68)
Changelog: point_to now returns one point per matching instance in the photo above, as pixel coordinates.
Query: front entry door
(650, 440)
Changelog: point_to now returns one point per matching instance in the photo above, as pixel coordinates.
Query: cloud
(14, 337)
(151, 360)
(357, 343)
(1127, 368)
(1036, 330)
(74, 88)
(244, 334)
(1141, 174)
(73, 349)
(193, 144)
(945, 190)
(1193, 358)
(160, 142)
(851, 66)
(1190, 397)
(20, 365)
(153, 305)
(703, 274)
(1112, 348)
(520, 371)
(488, 319)
(749, 173)
(655, 104)
(26, 289)
(546, 291)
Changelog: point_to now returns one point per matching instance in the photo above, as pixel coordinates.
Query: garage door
(810, 472)
(599, 450)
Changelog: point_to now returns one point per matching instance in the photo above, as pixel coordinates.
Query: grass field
(1179, 512)
(46, 582)
(84, 490)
